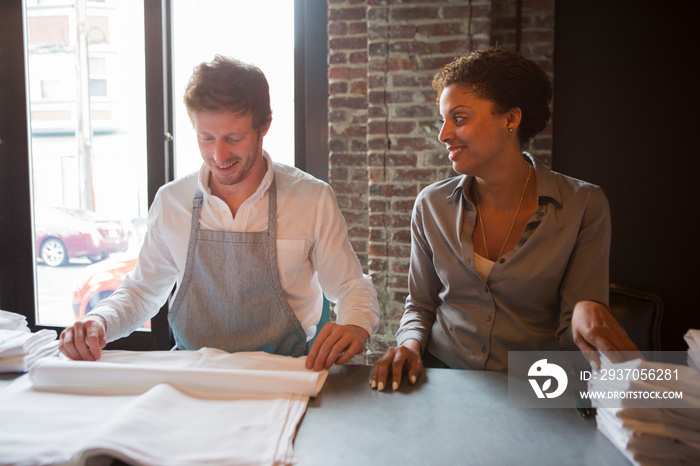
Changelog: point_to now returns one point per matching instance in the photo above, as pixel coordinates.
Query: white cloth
(207, 370)
(167, 424)
(692, 337)
(682, 379)
(646, 443)
(13, 321)
(659, 431)
(313, 251)
(20, 348)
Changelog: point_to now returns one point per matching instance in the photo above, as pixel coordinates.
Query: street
(56, 285)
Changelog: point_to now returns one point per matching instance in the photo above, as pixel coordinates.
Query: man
(251, 244)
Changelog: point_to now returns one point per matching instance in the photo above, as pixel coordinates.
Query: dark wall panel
(627, 117)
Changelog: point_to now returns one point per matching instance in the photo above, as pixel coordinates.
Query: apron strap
(272, 208)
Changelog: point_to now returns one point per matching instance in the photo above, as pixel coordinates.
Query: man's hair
(508, 80)
(227, 84)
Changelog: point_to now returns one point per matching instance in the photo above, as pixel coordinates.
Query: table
(450, 417)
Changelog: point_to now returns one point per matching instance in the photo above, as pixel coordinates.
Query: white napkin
(13, 321)
(193, 422)
(692, 337)
(668, 432)
(683, 379)
(20, 349)
(685, 418)
(645, 442)
(211, 370)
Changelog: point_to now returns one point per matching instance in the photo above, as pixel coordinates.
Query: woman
(509, 255)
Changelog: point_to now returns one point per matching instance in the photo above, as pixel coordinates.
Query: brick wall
(383, 119)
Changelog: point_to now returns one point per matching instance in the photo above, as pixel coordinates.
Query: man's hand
(336, 344)
(84, 340)
(595, 329)
(395, 361)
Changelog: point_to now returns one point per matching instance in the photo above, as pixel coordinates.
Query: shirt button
(501, 260)
(484, 349)
(488, 318)
(486, 289)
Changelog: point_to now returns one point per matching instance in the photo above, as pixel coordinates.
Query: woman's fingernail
(413, 379)
(381, 386)
(373, 383)
(395, 385)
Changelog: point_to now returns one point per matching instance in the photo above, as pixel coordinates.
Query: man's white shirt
(313, 250)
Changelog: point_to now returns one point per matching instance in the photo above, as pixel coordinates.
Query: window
(66, 150)
(204, 28)
(87, 154)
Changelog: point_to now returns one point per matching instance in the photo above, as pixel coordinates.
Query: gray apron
(231, 297)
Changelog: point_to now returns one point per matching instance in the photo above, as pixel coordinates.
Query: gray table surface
(450, 417)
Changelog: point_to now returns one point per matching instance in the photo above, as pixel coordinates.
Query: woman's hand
(394, 362)
(595, 329)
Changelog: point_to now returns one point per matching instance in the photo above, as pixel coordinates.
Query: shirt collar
(205, 172)
(463, 186)
(546, 182)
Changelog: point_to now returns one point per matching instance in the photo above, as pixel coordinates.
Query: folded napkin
(210, 370)
(684, 418)
(13, 321)
(644, 442)
(692, 337)
(682, 379)
(19, 348)
(645, 430)
(62, 413)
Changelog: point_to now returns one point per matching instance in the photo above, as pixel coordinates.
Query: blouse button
(484, 349)
(488, 318)
(501, 260)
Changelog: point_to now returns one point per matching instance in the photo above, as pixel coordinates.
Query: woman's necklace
(481, 222)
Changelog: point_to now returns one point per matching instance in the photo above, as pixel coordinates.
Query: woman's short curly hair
(227, 84)
(505, 78)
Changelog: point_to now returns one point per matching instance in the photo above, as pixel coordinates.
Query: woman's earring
(509, 129)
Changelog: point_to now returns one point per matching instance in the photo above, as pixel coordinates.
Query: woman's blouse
(527, 301)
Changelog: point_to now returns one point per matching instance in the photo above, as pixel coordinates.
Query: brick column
(347, 118)
(384, 120)
(407, 44)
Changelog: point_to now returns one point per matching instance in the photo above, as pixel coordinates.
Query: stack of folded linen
(693, 340)
(646, 419)
(158, 408)
(20, 348)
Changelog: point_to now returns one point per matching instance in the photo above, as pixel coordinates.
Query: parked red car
(63, 233)
(98, 282)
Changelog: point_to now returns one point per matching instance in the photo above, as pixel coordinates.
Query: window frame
(17, 261)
